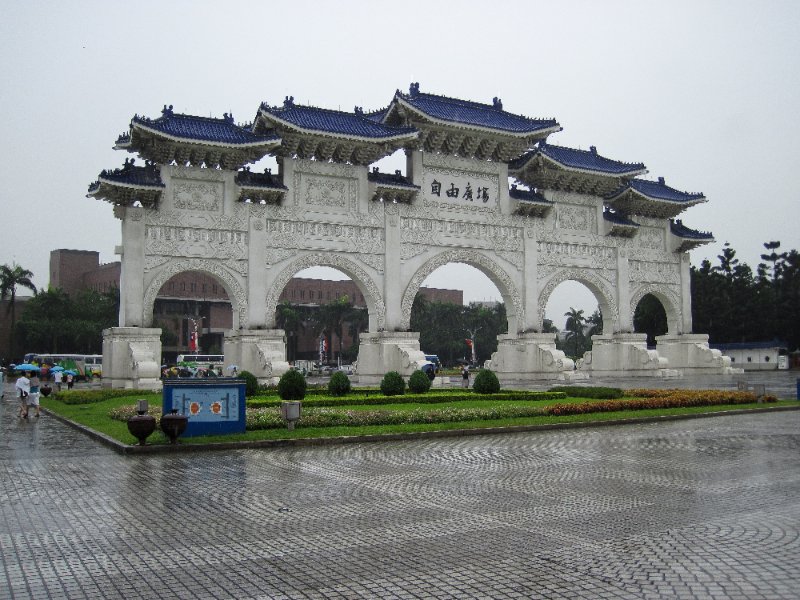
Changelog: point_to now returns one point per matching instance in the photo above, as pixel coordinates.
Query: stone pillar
(625, 323)
(257, 277)
(132, 358)
(530, 274)
(393, 282)
(686, 296)
(131, 285)
(384, 351)
(530, 356)
(262, 352)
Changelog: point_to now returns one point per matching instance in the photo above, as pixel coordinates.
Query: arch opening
(650, 317)
(458, 312)
(574, 312)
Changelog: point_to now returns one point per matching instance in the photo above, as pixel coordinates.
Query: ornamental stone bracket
(261, 352)
(690, 353)
(131, 358)
(530, 356)
(624, 355)
(384, 351)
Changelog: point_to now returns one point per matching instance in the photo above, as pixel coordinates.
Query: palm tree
(10, 278)
(574, 326)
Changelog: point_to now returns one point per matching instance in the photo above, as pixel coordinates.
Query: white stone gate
(574, 215)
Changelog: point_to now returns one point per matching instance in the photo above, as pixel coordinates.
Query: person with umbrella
(58, 376)
(23, 387)
(70, 378)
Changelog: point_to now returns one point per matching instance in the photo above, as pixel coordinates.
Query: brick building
(192, 298)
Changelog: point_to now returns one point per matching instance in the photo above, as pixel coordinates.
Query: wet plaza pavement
(705, 508)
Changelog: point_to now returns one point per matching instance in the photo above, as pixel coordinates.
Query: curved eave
(542, 172)
(524, 135)
(278, 122)
(260, 194)
(388, 192)
(686, 244)
(632, 202)
(594, 172)
(267, 144)
(125, 194)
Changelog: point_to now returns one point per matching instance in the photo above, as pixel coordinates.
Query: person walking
(58, 377)
(70, 380)
(465, 376)
(33, 396)
(23, 387)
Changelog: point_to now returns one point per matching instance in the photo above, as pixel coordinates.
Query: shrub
(292, 385)
(419, 382)
(339, 385)
(486, 382)
(575, 391)
(250, 383)
(392, 384)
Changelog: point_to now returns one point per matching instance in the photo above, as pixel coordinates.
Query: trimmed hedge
(393, 384)
(250, 383)
(92, 396)
(339, 385)
(576, 391)
(419, 382)
(486, 382)
(292, 385)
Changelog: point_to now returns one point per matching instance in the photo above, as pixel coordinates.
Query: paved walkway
(706, 508)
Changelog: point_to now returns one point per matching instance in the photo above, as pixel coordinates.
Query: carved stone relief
(654, 271)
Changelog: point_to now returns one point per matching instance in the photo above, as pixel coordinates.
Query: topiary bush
(292, 385)
(250, 383)
(339, 385)
(486, 382)
(392, 384)
(419, 382)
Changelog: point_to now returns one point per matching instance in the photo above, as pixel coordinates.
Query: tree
(289, 318)
(10, 278)
(330, 318)
(574, 327)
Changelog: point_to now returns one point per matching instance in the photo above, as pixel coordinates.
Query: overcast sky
(706, 94)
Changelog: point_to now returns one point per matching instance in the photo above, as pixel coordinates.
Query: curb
(135, 449)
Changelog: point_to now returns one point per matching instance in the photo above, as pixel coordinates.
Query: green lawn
(96, 417)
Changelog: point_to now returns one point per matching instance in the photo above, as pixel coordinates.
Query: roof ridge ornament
(593, 150)
(288, 102)
(413, 89)
(358, 110)
(167, 111)
(497, 103)
(228, 117)
(661, 181)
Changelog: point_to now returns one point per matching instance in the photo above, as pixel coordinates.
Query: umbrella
(233, 368)
(70, 372)
(27, 367)
(57, 368)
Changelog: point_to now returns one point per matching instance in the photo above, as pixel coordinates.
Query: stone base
(530, 356)
(261, 352)
(384, 351)
(690, 352)
(624, 355)
(132, 358)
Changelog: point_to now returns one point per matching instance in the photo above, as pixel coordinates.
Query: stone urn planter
(173, 425)
(142, 425)
(46, 390)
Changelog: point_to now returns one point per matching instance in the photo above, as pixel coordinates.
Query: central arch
(366, 285)
(605, 298)
(498, 276)
(669, 300)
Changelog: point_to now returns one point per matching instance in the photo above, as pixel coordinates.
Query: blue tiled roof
(585, 160)
(657, 190)
(207, 129)
(334, 122)
(527, 195)
(130, 174)
(749, 345)
(465, 112)
(618, 219)
(680, 230)
(389, 179)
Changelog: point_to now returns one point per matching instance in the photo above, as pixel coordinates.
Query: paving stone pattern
(706, 508)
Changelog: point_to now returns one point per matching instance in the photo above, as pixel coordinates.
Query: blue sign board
(214, 406)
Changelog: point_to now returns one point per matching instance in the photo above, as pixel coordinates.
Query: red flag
(469, 343)
(193, 342)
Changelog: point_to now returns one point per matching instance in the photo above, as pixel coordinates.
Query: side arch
(376, 306)
(498, 276)
(669, 300)
(601, 290)
(233, 287)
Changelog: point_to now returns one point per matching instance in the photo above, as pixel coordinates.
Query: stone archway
(232, 286)
(372, 295)
(498, 276)
(601, 290)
